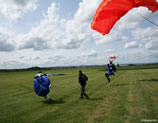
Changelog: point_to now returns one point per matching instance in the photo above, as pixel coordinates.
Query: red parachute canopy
(112, 57)
(110, 11)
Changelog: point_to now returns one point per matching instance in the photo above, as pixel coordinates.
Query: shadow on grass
(149, 80)
(95, 99)
(59, 101)
(123, 84)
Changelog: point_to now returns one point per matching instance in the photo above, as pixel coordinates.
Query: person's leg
(107, 76)
(113, 72)
(48, 97)
(83, 90)
(50, 86)
(108, 80)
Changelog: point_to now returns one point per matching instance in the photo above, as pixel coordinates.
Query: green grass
(131, 96)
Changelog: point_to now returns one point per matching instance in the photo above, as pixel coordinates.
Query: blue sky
(57, 33)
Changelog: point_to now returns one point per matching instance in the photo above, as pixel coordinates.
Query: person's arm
(86, 78)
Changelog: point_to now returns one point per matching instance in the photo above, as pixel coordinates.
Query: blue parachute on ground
(41, 85)
(55, 74)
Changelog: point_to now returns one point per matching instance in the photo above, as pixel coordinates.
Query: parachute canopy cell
(110, 11)
(112, 57)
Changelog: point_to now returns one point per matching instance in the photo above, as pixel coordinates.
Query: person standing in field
(82, 80)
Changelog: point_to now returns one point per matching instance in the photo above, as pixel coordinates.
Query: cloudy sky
(48, 33)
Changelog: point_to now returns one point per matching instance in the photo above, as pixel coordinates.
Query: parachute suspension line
(148, 20)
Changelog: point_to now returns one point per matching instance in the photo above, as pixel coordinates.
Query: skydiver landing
(82, 80)
(111, 70)
(42, 85)
(107, 76)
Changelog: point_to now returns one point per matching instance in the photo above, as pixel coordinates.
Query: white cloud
(109, 51)
(65, 39)
(147, 38)
(145, 34)
(148, 45)
(152, 45)
(111, 37)
(132, 44)
(46, 35)
(86, 10)
(56, 32)
(125, 38)
(6, 40)
(15, 9)
(141, 56)
(88, 54)
(36, 43)
(92, 53)
(78, 29)
(133, 18)
(12, 64)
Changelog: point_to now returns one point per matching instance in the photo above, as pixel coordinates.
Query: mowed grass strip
(130, 97)
(140, 104)
(112, 107)
(149, 83)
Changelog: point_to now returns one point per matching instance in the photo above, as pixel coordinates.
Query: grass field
(131, 97)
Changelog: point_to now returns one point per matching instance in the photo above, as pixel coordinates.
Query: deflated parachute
(41, 85)
(110, 11)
